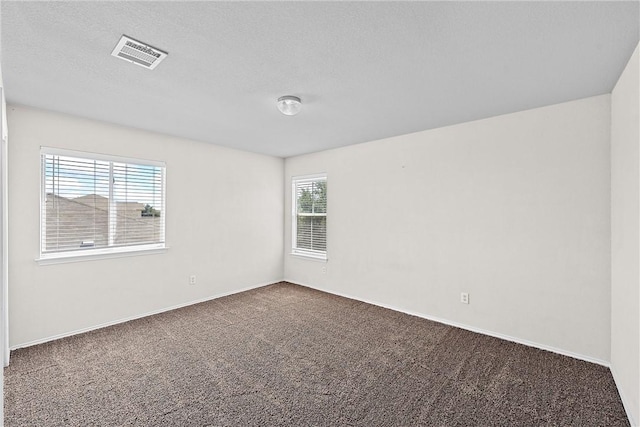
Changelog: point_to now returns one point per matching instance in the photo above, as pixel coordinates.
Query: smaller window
(309, 216)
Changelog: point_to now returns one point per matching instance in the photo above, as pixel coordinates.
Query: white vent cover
(139, 53)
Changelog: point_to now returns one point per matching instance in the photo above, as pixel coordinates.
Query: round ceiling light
(289, 105)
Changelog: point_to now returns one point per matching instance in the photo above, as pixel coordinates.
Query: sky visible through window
(71, 177)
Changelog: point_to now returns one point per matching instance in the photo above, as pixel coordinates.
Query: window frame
(103, 252)
(303, 252)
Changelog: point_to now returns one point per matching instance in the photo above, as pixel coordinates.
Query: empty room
(320, 213)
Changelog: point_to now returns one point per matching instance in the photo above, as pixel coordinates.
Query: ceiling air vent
(139, 53)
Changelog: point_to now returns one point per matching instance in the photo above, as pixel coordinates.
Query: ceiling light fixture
(289, 105)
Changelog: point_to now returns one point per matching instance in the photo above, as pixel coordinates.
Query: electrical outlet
(324, 270)
(192, 279)
(464, 297)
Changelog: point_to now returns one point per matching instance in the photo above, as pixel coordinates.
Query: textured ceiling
(364, 70)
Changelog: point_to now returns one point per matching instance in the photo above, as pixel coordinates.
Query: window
(309, 220)
(95, 204)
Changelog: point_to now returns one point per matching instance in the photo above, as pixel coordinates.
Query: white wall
(513, 210)
(4, 353)
(625, 236)
(4, 240)
(224, 224)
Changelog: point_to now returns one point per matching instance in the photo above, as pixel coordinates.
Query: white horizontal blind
(96, 203)
(310, 210)
(138, 217)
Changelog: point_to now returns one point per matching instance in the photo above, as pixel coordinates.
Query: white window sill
(75, 256)
(310, 257)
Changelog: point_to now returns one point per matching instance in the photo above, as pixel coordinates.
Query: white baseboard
(379, 304)
(625, 401)
(137, 316)
(466, 327)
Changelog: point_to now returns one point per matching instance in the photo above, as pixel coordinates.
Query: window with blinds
(100, 204)
(309, 220)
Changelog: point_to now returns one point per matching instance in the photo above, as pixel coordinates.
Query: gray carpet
(288, 355)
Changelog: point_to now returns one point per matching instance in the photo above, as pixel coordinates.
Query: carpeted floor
(288, 355)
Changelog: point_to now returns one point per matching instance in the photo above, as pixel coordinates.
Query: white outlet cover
(464, 298)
